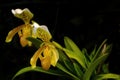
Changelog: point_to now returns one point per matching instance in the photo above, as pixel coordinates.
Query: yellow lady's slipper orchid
(47, 54)
(24, 30)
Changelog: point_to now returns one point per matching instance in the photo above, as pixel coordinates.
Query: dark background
(86, 22)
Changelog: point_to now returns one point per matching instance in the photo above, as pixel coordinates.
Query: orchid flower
(47, 53)
(24, 30)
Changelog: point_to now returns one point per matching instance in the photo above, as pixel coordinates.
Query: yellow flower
(47, 54)
(24, 30)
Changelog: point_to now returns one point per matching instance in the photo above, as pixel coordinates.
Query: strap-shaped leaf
(38, 69)
(70, 45)
(107, 76)
(69, 65)
(67, 72)
(92, 54)
(87, 57)
(66, 61)
(93, 66)
(98, 51)
(72, 55)
(78, 70)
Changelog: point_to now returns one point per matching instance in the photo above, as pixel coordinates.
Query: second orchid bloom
(47, 53)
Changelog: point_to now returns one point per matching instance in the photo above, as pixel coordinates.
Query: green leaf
(105, 68)
(98, 51)
(64, 59)
(38, 69)
(93, 66)
(70, 45)
(66, 71)
(69, 65)
(78, 70)
(57, 45)
(74, 56)
(71, 54)
(107, 76)
(92, 54)
(35, 41)
(62, 56)
(87, 57)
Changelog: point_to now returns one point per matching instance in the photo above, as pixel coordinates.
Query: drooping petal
(54, 56)
(13, 32)
(35, 57)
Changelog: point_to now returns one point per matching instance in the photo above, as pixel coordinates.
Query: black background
(86, 22)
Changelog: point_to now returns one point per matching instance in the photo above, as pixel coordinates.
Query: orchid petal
(34, 58)
(13, 32)
(54, 57)
(17, 11)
